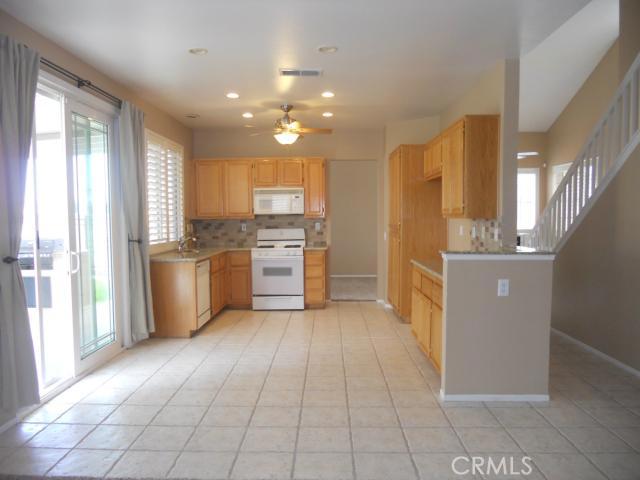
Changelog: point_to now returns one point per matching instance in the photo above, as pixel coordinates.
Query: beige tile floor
(341, 393)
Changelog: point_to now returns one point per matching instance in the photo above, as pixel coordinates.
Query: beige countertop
(203, 254)
(433, 267)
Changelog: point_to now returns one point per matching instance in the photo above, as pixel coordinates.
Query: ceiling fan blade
(306, 130)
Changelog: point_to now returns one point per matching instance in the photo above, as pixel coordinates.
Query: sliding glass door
(66, 253)
(91, 237)
(44, 249)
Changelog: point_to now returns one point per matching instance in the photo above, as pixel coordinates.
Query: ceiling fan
(287, 130)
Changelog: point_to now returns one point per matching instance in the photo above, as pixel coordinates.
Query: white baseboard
(493, 398)
(8, 424)
(384, 304)
(353, 276)
(598, 353)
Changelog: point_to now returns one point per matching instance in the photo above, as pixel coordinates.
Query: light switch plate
(503, 287)
(317, 226)
(243, 227)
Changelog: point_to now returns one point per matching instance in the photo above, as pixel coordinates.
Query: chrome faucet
(184, 241)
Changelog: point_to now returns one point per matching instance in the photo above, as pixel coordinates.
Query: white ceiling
(552, 73)
(398, 59)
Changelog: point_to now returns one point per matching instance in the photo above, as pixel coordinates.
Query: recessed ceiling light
(247, 115)
(192, 115)
(328, 94)
(328, 49)
(233, 95)
(198, 51)
(327, 114)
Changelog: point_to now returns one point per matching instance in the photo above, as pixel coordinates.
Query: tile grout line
(255, 406)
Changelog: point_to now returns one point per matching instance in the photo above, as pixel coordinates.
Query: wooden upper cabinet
(209, 188)
(314, 188)
(239, 188)
(433, 159)
(470, 150)
(291, 172)
(266, 172)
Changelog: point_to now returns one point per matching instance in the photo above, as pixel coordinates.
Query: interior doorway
(353, 185)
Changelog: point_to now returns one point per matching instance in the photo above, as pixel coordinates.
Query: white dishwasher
(203, 291)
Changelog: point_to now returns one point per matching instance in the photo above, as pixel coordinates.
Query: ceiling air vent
(296, 72)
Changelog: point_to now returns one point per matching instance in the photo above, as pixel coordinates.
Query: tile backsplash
(486, 235)
(228, 233)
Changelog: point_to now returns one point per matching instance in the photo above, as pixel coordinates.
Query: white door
(90, 148)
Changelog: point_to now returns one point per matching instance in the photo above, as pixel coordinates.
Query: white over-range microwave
(278, 201)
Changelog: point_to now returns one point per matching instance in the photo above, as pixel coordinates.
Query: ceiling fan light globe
(286, 138)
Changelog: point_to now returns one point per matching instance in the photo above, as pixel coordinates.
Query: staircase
(612, 141)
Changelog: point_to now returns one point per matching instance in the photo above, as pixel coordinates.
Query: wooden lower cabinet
(218, 283)
(426, 314)
(239, 279)
(315, 278)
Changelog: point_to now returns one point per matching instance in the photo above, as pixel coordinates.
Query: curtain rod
(81, 82)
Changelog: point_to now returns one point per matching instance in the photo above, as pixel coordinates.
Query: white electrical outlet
(461, 230)
(317, 226)
(243, 227)
(503, 287)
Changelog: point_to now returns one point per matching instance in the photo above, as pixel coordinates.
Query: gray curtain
(19, 67)
(138, 317)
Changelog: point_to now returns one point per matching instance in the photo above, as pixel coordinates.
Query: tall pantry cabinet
(416, 228)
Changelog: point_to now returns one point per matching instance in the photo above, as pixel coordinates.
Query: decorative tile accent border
(486, 235)
(228, 233)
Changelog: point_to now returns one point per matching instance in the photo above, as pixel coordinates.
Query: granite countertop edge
(502, 251)
(430, 270)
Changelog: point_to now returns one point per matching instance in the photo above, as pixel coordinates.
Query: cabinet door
(314, 188)
(393, 287)
(456, 160)
(290, 172)
(453, 171)
(445, 149)
(436, 336)
(239, 286)
(266, 172)
(239, 188)
(217, 291)
(426, 164)
(436, 159)
(209, 188)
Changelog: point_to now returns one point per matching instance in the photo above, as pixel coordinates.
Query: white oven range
(277, 267)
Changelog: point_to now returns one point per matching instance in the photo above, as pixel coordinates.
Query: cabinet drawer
(314, 283)
(416, 278)
(315, 258)
(239, 259)
(313, 271)
(314, 297)
(436, 294)
(426, 286)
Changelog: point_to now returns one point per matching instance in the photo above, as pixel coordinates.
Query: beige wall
(353, 190)
(573, 126)
(348, 145)
(597, 274)
(496, 345)
(629, 34)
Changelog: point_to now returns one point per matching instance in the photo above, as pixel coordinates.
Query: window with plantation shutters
(165, 201)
